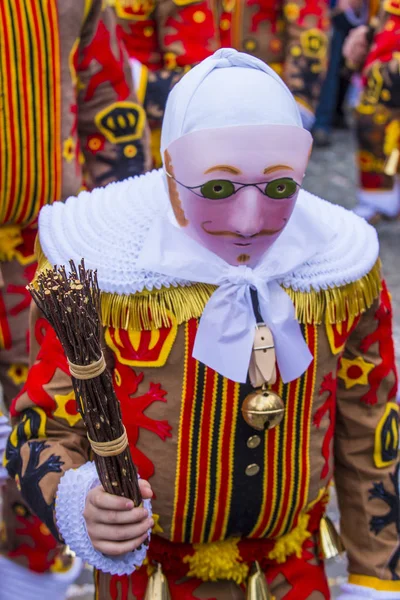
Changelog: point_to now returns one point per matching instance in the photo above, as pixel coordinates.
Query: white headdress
(227, 89)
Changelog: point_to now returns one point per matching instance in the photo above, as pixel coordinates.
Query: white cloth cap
(229, 88)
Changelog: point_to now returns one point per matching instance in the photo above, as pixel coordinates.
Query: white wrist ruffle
(350, 591)
(72, 490)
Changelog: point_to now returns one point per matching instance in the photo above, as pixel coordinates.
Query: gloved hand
(356, 46)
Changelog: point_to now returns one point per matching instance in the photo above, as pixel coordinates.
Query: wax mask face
(234, 189)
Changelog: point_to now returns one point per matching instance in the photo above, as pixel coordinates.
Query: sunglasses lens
(281, 188)
(217, 189)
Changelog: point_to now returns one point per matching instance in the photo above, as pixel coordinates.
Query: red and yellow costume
(167, 37)
(225, 494)
(68, 118)
(378, 114)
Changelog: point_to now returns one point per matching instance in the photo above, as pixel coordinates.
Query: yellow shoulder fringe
(151, 310)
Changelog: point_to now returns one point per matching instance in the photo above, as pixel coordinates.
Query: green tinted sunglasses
(219, 189)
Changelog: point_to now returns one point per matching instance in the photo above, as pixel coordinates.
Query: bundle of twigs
(71, 304)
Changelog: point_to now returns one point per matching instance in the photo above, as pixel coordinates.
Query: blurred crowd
(363, 74)
(83, 88)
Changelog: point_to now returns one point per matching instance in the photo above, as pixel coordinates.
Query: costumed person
(165, 38)
(345, 15)
(378, 113)
(68, 116)
(249, 334)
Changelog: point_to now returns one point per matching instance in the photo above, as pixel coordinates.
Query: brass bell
(157, 587)
(263, 409)
(257, 586)
(331, 543)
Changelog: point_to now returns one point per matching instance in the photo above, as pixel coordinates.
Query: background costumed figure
(378, 113)
(166, 38)
(65, 81)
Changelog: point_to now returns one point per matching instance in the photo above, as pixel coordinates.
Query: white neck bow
(226, 332)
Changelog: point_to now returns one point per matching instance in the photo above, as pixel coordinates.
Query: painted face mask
(234, 189)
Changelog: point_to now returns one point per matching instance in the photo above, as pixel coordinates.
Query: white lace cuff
(72, 490)
(350, 591)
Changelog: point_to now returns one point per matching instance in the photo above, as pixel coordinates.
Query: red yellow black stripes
(185, 436)
(287, 468)
(205, 451)
(213, 496)
(223, 484)
(304, 415)
(30, 134)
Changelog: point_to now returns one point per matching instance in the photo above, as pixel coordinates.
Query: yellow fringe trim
(337, 304)
(149, 310)
(292, 542)
(217, 560)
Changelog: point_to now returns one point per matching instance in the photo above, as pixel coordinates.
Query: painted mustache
(233, 234)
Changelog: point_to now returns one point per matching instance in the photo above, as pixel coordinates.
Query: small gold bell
(157, 587)
(257, 586)
(263, 409)
(330, 541)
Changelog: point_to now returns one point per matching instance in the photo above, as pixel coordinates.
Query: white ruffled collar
(108, 228)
